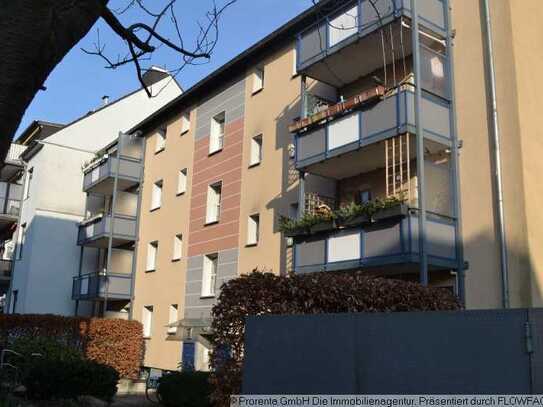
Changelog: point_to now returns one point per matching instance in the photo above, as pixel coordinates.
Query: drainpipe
(491, 73)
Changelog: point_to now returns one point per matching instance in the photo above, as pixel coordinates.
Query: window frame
(152, 250)
(147, 320)
(172, 330)
(185, 173)
(160, 142)
(259, 79)
(217, 132)
(157, 187)
(257, 141)
(28, 181)
(213, 187)
(255, 239)
(185, 123)
(177, 254)
(210, 270)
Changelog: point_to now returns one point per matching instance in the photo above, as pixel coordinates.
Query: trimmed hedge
(315, 293)
(187, 389)
(113, 342)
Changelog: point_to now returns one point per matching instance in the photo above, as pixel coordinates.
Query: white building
(47, 256)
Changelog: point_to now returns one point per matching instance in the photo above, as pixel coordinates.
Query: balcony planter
(324, 226)
(394, 212)
(294, 233)
(354, 221)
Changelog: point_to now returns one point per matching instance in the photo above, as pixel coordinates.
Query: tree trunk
(35, 36)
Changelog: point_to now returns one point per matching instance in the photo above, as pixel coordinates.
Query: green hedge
(186, 389)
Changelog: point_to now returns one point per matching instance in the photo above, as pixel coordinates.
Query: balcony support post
(112, 220)
(423, 258)
(455, 157)
(301, 195)
(303, 96)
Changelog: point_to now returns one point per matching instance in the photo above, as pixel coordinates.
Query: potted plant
(390, 208)
(292, 227)
(352, 215)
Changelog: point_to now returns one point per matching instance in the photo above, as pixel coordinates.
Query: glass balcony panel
(343, 26)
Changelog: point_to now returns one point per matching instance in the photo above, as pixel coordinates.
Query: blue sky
(79, 81)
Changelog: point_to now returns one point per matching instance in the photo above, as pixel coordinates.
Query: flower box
(394, 212)
(323, 226)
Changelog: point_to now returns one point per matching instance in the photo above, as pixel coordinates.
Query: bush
(316, 293)
(187, 389)
(50, 379)
(113, 342)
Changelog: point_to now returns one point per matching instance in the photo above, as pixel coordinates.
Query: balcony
(99, 176)
(5, 270)
(95, 232)
(389, 246)
(351, 34)
(351, 130)
(10, 203)
(95, 286)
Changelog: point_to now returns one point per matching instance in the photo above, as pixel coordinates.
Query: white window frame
(160, 141)
(256, 150)
(217, 130)
(213, 206)
(156, 195)
(294, 62)
(253, 229)
(147, 320)
(185, 123)
(182, 176)
(209, 274)
(152, 256)
(172, 318)
(177, 247)
(259, 77)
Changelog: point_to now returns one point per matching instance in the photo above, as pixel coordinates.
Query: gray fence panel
(470, 352)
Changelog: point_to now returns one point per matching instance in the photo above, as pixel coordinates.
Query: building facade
(64, 228)
(345, 105)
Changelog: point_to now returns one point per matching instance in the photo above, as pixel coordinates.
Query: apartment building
(342, 105)
(77, 222)
(10, 200)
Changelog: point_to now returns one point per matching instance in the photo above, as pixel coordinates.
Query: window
(185, 123)
(28, 181)
(182, 181)
(152, 254)
(258, 80)
(172, 319)
(256, 150)
(160, 141)
(209, 275)
(365, 196)
(216, 139)
(21, 241)
(177, 247)
(214, 192)
(156, 198)
(147, 320)
(253, 226)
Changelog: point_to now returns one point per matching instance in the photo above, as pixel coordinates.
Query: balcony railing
(96, 286)
(346, 26)
(389, 117)
(95, 232)
(98, 177)
(387, 243)
(5, 269)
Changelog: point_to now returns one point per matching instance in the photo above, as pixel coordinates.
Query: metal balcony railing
(94, 286)
(95, 232)
(103, 171)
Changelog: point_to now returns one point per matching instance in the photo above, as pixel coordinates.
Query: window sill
(146, 338)
(294, 75)
(214, 222)
(150, 271)
(176, 260)
(205, 297)
(251, 244)
(256, 92)
(214, 152)
(180, 193)
(184, 132)
(253, 165)
(154, 209)
(159, 150)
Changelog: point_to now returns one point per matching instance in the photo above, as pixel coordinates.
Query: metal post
(112, 219)
(303, 96)
(136, 243)
(81, 252)
(420, 145)
(455, 154)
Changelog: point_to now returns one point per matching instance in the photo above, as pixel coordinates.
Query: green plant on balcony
(351, 214)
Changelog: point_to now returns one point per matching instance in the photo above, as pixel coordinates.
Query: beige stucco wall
(483, 282)
(166, 285)
(267, 189)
